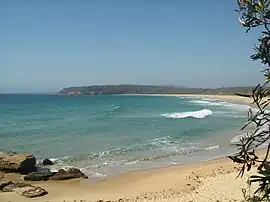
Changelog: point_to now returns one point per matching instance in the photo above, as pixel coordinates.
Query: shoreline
(229, 98)
(203, 181)
(206, 180)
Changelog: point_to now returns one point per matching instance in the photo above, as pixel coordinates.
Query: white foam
(53, 159)
(113, 107)
(203, 102)
(220, 103)
(238, 138)
(132, 162)
(54, 170)
(212, 147)
(98, 174)
(195, 114)
(167, 140)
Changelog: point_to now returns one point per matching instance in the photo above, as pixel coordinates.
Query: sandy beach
(213, 180)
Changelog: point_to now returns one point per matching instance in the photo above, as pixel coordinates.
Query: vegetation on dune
(256, 13)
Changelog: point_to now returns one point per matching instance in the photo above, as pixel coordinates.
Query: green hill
(149, 89)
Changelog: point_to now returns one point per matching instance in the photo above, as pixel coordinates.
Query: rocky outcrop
(13, 162)
(31, 191)
(68, 174)
(24, 189)
(38, 176)
(47, 162)
(3, 184)
(11, 186)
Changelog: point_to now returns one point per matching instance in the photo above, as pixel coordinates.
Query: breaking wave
(194, 114)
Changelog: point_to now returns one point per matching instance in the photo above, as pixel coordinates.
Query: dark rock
(13, 185)
(31, 191)
(3, 184)
(68, 174)
(47, 162)
(13, 162)
(38, 176)
(42, 170)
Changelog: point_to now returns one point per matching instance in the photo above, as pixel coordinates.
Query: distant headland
(150, 89)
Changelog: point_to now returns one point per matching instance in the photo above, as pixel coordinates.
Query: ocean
(108, 135)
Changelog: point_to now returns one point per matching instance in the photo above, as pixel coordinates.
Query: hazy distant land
(150, 89)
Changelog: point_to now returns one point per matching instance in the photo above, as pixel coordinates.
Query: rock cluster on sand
(26, 164)
(24, 189)
(13, 162)
(10, 186)
(31, 191)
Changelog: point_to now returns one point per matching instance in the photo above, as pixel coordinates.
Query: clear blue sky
(47, 45)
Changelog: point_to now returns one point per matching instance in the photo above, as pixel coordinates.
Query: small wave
(195, 114)
(163, 141)
(152, 150)
(212, 147)
(132, 162)
(95, 174)
(203, 102)
(113, 107)
(238, 138)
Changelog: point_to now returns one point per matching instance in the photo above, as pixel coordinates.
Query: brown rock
(68, 174)
(31, 191)
(13, 162)
(3, 184)
(12, 186)
(1, 175)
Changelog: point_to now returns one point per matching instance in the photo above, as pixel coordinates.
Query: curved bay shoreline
(203, 181)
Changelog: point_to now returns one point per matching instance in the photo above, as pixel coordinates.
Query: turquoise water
(105, 135)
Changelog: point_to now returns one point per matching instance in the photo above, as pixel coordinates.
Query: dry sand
(206, 181)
